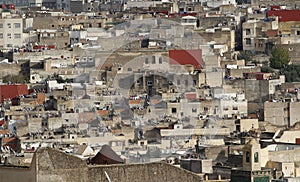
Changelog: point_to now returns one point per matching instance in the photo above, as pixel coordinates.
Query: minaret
(251, 156)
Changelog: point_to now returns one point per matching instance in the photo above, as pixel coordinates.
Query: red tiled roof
(285, 15)
(190, 96)
(131, 102)
(186, 57)
(3, 132)
(12, 91)
(272, 33)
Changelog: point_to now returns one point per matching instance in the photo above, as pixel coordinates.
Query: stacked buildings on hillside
(126, 82)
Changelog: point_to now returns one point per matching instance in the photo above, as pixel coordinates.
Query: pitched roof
(285, 15)
(81, 149)
(186, 57)
(108, 153)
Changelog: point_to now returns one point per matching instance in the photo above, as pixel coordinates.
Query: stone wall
(17, 174)
(51, 165)
(141, 172)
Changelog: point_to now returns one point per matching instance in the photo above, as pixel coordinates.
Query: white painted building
(11, 31)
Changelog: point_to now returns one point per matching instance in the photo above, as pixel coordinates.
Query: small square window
(17, 25)
(174, 110)
(17, 35)
(248, 31)
(248, 41)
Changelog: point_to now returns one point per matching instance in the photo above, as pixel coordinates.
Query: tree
(246, 55)
(279, 58)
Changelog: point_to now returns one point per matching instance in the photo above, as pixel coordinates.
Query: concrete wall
(294, 113)
(247, 124)
(285, 156)
(276, 113)
(238, 73)
(215, 79)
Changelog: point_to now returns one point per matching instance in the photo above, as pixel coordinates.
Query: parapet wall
(154, 172)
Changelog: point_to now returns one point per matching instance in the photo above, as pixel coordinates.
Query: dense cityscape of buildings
(164, 90)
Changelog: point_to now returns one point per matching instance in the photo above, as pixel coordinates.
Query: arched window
(256, 157)
(247, 156)
(153, 59)
(160, 60)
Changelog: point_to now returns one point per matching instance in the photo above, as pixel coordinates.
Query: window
(194, 109)
(153, 59)
(256, 157)
(149, 83)
(146, 61)
(160, 60)
(298, 32)
(17, 25)
(174, 110)
(17, 35)
(247, 156)
(235, 108)
(129, 69)
(9, 35)
(1, 35)
(248, 32)
(248, 41)
(186, 83)
(9, 25)
(1, 25)
(205, 109)
(178, 82)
